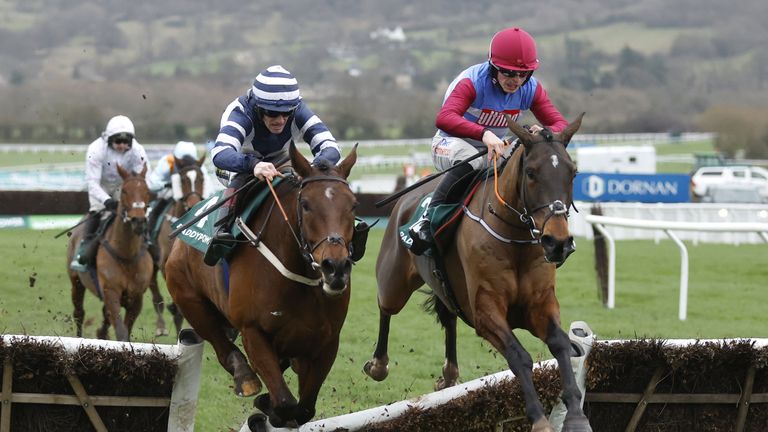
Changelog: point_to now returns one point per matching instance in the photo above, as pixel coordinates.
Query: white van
(708, 176)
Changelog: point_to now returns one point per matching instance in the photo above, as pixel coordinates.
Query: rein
(127, 261)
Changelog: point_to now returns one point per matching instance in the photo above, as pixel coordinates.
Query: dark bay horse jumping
(289, 308)
(500, 265)
(187, 185)
(123, 265)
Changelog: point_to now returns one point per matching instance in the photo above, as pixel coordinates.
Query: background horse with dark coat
(187, 183)
(123, 265)
(500, 265)
(288, 312)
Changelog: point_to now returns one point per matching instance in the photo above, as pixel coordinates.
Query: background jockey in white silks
(117, 145)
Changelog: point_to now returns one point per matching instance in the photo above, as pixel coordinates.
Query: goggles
(512, 73)
(273, 114)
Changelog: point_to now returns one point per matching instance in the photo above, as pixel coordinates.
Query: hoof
(161, 332)
(248, 388)
(542, 425)
(376, 370)
(442, 384)
(257, 423)
(576, 424)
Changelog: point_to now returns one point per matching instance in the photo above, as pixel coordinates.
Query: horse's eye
(304, 205)
(529, 174)
(355, 205)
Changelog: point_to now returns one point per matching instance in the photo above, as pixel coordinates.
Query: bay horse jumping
(123, 265)
(187, 184)
(289, 310)
(500, 267)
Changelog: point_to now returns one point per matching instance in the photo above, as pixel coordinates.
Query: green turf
(727, 298)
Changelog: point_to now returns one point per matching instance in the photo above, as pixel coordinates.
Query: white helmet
(185, 148)
(119, 127)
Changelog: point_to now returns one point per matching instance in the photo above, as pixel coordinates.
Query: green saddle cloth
(440, 216)
(199, 234)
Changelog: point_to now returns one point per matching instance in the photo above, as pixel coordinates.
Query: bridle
(178, 194)
(525, 216)
(134, 205)
(307, 249)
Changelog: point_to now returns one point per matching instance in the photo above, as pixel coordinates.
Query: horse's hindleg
(103, 331)
(491, 324)
(560, 347)
(378, 367)
(451, 366)
(178, 318)
(158, 303)
(78, 296)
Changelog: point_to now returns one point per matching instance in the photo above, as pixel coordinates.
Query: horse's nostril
(548, 241)
(327, 266)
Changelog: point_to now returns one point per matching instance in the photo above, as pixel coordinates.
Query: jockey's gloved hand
(110, 204)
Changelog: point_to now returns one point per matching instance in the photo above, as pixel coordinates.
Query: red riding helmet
(513, 49)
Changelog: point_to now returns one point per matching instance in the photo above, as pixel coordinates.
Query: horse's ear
(123, 173)
(567, 134)
(143, 171)
(525, 137)
(346, 165)
(201, 160)
(299, 162)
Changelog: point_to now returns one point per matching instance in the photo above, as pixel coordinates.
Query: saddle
(444, 218)
(199, 235)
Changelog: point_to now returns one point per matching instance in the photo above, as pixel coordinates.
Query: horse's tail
(433, 305)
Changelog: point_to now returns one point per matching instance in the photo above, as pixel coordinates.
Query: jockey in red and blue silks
(472, 115)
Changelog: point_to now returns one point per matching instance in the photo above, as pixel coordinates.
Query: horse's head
(187, 182)
(326, 217)
(545, 187)
(134, 196)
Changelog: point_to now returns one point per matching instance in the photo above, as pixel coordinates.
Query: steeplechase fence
(66, 384)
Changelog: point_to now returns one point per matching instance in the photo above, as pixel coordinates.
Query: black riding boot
(85, 250)
(421, 231)
(222, 234)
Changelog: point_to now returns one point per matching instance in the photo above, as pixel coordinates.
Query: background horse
(500, 265)
(123, 266)
(293, 319)
(187, 183)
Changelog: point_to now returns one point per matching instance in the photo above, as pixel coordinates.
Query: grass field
(727, 297)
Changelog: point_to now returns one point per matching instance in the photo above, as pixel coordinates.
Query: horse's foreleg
(451, 366)
(78, 296)
(560, 347)
(112, 314)
(267, 364)
(491, 324)
(132, 311)
(378, 367)
(312, 373)
(210, 325)
(158, 303)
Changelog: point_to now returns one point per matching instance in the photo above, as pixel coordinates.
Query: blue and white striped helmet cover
(276, 89)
